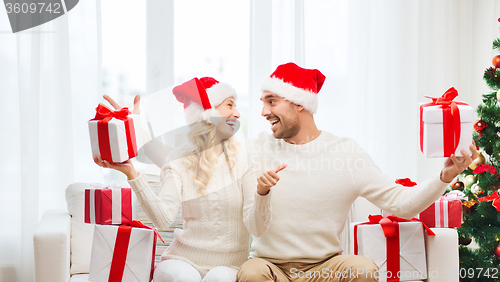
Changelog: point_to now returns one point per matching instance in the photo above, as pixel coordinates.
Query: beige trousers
(339, 268)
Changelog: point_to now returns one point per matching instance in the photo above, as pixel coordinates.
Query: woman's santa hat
(201, 96)
(297, 85)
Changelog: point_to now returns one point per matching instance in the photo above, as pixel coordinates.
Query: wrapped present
(396, 245)
(108, 205)
(445, 126)
(445, 212)
(113, 134)
(123, 253)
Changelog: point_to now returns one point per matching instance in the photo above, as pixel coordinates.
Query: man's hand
(126, 167)
(268, 180)
(455, 165)
(115, 105)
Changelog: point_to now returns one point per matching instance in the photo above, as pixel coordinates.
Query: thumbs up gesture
(268, 179)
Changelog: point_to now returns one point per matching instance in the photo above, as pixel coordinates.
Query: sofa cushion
(81, 233)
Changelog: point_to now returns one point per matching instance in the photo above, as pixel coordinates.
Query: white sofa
(62, 242)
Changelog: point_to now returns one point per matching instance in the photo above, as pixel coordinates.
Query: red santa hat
(297, 85)
(201, 96)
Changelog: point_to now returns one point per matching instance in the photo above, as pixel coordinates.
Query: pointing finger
(112, 102)
(280, 168)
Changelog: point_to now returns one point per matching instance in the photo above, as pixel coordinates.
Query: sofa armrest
(51, 244)
(442, 255)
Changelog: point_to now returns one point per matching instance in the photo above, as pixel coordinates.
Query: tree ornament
(469, 210)
(479, 126)
(469, 180)
(475, 189)
(458, 185)
(496, 61)
(464, 241)
(497, 251)
(480, 160)
(498, 95)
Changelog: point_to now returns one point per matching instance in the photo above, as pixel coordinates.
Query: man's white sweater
(313, 197)
(216, 225)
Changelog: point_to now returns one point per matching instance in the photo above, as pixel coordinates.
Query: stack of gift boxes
(123, 249)
(397, 245)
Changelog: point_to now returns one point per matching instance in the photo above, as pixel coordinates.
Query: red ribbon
(103, 116)
(405, 182)
(493, 197)
(121, 249)
(390, 227)
(451, 120)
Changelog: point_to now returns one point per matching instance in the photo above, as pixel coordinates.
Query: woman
(214, 182)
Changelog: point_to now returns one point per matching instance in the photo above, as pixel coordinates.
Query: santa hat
(201, 96)
(297, 85)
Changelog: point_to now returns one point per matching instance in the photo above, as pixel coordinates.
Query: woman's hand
(268, 180)
(126, 167)
(115, 105)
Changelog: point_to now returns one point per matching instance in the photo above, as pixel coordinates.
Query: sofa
(62, 241)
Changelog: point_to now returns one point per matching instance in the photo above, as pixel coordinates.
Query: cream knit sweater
(313, 197)
(216, 225)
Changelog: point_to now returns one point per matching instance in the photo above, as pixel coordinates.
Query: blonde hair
(200, 155)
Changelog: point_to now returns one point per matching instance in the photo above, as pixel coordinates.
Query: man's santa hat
(201, 96)
(297, 85)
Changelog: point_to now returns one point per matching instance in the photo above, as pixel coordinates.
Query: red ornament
(479, 126)
(497, 251)
(458, 185)
(496, 61)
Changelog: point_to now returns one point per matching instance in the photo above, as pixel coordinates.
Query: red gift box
(446, 212)
(108, 206)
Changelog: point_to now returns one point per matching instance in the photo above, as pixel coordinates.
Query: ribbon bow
(406, 182)
(105, 113)
(453, 196)
(97, 185)
(451, 120)
(138, 224)
(493, 197)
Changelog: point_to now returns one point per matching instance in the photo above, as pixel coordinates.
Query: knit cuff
(138, 183)
(263, 201)
(438, 184)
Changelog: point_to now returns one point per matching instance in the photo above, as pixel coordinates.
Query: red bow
(484, 168)
(105, 113)
(493, 197)
(405, 182)
(451, 120)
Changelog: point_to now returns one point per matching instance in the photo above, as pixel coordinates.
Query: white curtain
(49, 85)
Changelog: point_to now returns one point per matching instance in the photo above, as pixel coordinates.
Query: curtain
(49, 85)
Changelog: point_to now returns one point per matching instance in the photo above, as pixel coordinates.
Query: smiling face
(228, 124)
(281, 114)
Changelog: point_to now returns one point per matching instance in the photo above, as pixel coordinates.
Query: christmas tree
(481, 183)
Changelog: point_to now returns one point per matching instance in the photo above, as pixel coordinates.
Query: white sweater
(313, 197)
(215, 230)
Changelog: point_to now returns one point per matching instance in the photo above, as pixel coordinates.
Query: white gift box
(373, 244)
(117, 133)
(139, 258)
(432, 117)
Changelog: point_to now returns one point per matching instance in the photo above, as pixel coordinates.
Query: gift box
(123, 253)
(396, 245)
(445, 126)
(108, 205)
(113, 134)
(445, 212)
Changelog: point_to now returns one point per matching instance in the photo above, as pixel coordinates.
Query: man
(325, 174)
